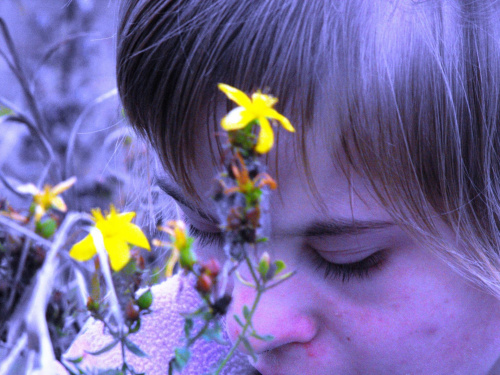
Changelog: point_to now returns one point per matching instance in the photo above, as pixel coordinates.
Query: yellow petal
(58, 203)
(83, 250)
(39, 212)
(97, 214)
(127, 216)
(238, 118)
(134, 236)
(266, 136)
(272, 113)
(174, 258)
(237, 96)
(28, 189)
(118, 251)
(263, 100)
(63, 186)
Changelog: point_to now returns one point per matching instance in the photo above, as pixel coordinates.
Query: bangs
(408, 92)
(171, 58)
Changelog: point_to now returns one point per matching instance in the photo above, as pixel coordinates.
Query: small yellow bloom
(180, 243)
(117, 232)
(48, 197)
(260, 108)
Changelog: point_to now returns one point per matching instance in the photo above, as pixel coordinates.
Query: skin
(411, 314)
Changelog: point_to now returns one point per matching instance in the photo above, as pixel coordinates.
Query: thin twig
(19, 272)
(30, 317)
(76, 128)
(40, 137)
(55, 47)
(23, 230)
(23, 81)
(11, 188)
(6, 58)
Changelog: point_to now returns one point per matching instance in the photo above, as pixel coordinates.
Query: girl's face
(366, 298)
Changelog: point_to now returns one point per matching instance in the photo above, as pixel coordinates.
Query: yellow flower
(180, 245)
(48, 197)
(260, 108)
(117, 232)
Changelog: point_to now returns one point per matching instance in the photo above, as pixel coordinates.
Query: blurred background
(57, 85)
(66, 50)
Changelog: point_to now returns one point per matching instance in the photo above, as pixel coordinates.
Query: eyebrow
(333, 227)
(340, 227)
(174, 192)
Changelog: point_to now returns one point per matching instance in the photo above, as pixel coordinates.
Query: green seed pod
(145, 300)
(47, 228)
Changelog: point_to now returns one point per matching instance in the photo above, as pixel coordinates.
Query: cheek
(395, 318)
(403, 306)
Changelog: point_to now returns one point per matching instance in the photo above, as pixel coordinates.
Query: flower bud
(132, 311)
(92, 305)
(211, 267)
(264, 262)
(204, 283)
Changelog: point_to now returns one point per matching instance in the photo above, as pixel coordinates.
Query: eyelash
(345, 271)
(206, 238)
(341, 271)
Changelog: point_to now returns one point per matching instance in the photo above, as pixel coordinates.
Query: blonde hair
(413, 88)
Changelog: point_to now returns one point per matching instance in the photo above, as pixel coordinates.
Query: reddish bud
(92, 305)
(211, 267)
(253, 217)
(204, 283)
(132, 311)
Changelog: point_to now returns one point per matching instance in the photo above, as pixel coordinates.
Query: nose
(284, 312)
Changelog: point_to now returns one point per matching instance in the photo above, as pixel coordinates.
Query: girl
(389, 194)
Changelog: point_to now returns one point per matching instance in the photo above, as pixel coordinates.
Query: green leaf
(74, 360)
(280, 266)
(188, 325)
(105, 349)
(249, 348)
(237, 318)
(135, 326)
(213, 335)
(263, 338)
(182, 356)
(135, 349)
(246, 312)
(4, 111)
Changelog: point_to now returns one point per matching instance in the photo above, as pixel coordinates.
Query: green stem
(248, 322)
(199, 334)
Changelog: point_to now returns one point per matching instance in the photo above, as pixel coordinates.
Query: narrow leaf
(263, 338)
(135, 349)
(237, 318)
(246, 312)
(105, 349)
(249, 348)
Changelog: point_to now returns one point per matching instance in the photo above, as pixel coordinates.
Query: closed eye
(345, 271)
(206, 238)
